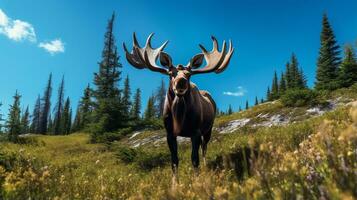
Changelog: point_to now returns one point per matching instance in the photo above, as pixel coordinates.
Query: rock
(233, 125)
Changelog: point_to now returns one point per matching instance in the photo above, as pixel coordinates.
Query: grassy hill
(279, 153)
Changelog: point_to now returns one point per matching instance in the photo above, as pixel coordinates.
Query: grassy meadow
(309, 159)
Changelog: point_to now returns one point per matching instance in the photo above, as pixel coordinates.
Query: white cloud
(53, 47)
(238, 93)
(16, 30)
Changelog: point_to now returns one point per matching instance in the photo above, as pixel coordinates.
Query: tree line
(103, 108)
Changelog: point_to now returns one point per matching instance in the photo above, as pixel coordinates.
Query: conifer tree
(85, 108)
(59, 109)
(149, 113)
(288, 78)
(46, 106)
(328, 59)
(76, 126)
(348, 69)
(256, 101)
(108, 108)
(50, 127)
(36, 116)
(261, 100)
(160, 98)
(126, 97)
(240, 109)
(275, 87)
(66, 118)
(282, 84)
(135, 110)
(230, 109)
(1, 119)
(25, 121)
(13, 123)
(269, 94)
(246, 105)
(294, 72)
(301, 80)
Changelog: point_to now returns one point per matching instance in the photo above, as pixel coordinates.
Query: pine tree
(50, 127)
(66, 117)
(275, 87)
(288, 77)
(76, 126)
(348, 68)
(246, 105)
(256, 101)
(85, 108)
(269, 94)
(294, 72)
(46, 106)
(328, 60)
(59, 109)
(13, 123)
(1, 119)
(160, 98)
(25, 121)
(261, 100)
(149, 113)
(135, 110)
(301, 80)
(282, 84)
(126, 96)
(36, 116)
(109, 110)
(230, 109)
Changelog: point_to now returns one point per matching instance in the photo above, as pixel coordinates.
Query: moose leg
(172, 142)
(205, 140)
(196, 142)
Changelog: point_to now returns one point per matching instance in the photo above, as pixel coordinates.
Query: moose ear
(165, 59)
(196, 61)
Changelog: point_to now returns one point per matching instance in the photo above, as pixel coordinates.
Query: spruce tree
(1, 119)
(240, 108)
(275, 87)
(269, 94)
(160, 98)
(25, 121)
(149, 113)
(246, 105)
(282, 84)
(126, 101)
(59, 109)
(109, 110)
(85, 108)
(261, 100)
(36, 116)
(348, 68)
(76, 126)
(50, 127)
(256, 101)
(13, 123)
(46, 106)
(230, 109)
(288, 78)
(136, 108)
(328, 59)
(66, 118)
(294, 72)
(301, 80)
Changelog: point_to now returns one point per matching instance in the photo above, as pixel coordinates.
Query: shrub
(126, 154)
(148, 161)
(108, 137)
(300, 97)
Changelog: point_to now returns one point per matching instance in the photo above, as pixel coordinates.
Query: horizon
(70, 43)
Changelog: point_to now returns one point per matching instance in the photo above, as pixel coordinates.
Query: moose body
(188, 111)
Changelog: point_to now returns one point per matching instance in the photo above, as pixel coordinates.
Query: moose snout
(182, 83)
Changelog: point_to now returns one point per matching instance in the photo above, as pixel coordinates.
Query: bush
(148, 161)
(126, 154)
(108, 137)
(300, 97)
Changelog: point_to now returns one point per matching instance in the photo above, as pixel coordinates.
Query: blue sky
(66, 38)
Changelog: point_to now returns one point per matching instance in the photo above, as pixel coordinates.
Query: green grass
(309, 159)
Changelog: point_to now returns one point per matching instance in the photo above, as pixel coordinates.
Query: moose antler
(145, 57)
(216, 60)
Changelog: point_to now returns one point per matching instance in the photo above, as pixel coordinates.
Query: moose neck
(179, 108)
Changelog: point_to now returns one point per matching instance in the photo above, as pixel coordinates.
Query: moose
(188, 111)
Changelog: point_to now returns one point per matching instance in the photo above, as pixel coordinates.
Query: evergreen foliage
(136, 108)
(348, 68)
(25, 121)
(149, 113)
(46, 106)
(36, 116)
(328, 59)
(160, 99)
(59, 109)
(13, 123)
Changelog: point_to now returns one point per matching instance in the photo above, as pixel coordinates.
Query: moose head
(188, 111)
(146, 57)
